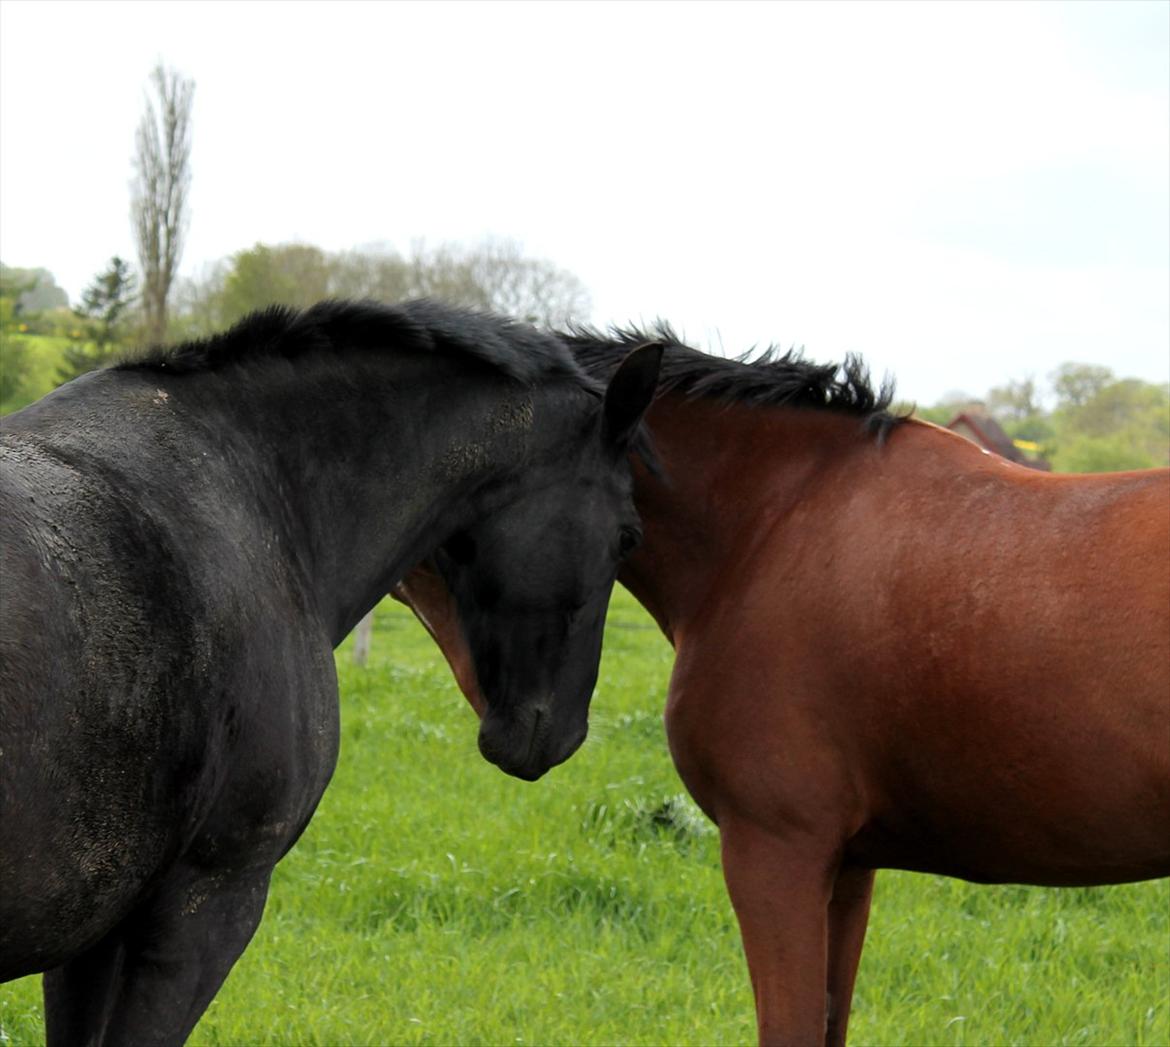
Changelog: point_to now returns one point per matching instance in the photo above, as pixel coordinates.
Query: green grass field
(435, 900)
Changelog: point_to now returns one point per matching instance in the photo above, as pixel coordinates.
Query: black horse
(186, 538)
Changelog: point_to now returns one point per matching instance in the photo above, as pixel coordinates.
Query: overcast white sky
(963, 192)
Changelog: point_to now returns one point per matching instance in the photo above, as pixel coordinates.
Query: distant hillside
(34, 290)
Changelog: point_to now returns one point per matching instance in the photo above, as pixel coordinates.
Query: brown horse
(893, 650)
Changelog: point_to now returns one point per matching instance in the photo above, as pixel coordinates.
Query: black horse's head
(532, 579)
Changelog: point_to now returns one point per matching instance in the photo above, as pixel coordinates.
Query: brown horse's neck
(731, 473)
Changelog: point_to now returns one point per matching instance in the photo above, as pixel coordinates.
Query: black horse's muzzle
(528, 741)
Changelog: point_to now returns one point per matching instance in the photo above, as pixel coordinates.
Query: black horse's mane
(767, 378)
(518, 350)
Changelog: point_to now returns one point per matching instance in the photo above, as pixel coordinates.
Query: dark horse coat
(185, 539)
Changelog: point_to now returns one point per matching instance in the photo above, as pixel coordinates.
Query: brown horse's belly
(1016, 843)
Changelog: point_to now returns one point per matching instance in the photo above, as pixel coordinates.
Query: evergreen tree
(105, 304)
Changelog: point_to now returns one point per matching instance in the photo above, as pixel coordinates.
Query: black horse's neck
(361, 466)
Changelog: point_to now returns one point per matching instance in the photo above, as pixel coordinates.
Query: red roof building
(985, 431)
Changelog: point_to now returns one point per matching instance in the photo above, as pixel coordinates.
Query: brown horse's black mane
(518, 350)
(768, 378)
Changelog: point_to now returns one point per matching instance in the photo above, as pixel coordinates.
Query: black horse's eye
(628, 540)
(461, 548)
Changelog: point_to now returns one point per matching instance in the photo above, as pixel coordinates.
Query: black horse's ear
(630, 391)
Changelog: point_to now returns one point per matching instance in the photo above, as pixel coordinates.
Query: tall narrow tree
(158, 206)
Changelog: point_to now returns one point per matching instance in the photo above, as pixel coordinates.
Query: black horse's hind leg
(174, 954)
(80, 993)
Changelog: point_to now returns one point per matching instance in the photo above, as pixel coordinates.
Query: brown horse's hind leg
(781, 899)
(848, 916)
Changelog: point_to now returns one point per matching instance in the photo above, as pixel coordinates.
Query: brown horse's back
(967, 671)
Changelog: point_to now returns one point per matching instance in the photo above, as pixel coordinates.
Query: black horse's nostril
(539, 713)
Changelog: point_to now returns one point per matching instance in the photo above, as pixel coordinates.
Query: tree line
(1087, 419)
(113, 320)
(1097, 421)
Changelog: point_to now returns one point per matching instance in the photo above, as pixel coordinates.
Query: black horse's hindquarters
(180, 553)
(166, 698)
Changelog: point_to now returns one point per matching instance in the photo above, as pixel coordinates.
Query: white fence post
(361, 639)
